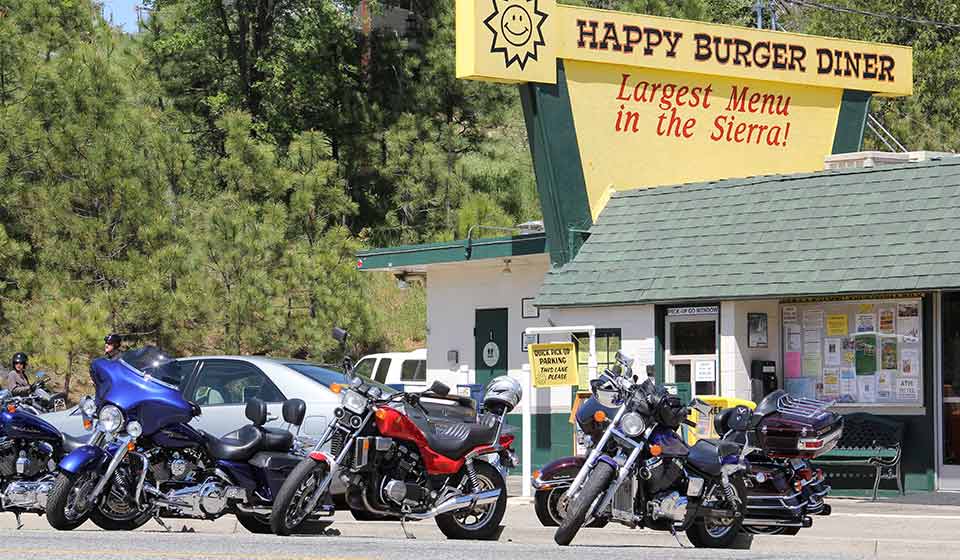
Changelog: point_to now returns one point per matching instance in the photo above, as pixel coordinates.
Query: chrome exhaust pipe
(459, 502)
(805, 523)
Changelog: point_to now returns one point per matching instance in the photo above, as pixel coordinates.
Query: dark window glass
(172, 373)
(365, 367)
(413, 370)
(681, 373)
(232, 382)
(382, 368)
(687, 338)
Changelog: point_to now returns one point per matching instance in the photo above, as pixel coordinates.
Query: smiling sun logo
(515, 25)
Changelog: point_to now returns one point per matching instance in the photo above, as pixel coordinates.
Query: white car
(396, 368)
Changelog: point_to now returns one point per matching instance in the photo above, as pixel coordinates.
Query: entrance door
(691, 354)
(490, 340)
(950, 392)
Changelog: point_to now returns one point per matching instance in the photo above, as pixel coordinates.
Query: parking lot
(857, 529)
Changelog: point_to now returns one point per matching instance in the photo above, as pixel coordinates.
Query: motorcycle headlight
(87, 406)
(111, 419)
(632, 424)
(354, 402)
(134, 429)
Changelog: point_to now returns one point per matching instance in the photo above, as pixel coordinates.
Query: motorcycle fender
(559, 473)
(494, 460)
(83, 459)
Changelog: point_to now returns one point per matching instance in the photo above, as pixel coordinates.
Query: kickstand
(19, 523)
(406, 533)
(162, 524)
(673, 531)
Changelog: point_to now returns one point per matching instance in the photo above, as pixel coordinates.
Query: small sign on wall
(528, 339)
(705, 371)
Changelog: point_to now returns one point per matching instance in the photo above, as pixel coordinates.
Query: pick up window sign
(553, 364)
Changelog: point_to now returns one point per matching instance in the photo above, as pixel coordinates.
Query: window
(854, 352)
(608, 344)
(172, 373)
(382, 369)
(413, 370)
(365, 367)
(232, 382)
(688, 338)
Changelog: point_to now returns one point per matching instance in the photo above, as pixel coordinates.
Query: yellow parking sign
(553, 364)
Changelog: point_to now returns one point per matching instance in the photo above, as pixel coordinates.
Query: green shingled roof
(890, 228)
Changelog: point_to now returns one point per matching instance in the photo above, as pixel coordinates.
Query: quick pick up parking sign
(553, 364)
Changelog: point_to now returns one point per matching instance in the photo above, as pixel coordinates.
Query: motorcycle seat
(276, 439)
(706, 454)
(71, 443)
(236, 446)
(456, 439)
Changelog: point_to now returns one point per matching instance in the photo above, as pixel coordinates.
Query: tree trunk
(68, 375)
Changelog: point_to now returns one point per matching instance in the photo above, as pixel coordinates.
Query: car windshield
(328, 377)
(154, 361)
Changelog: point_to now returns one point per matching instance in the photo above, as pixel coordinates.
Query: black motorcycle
(641, 474)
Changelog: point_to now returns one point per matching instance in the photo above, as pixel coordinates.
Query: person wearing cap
(16, 379)
(111, 346)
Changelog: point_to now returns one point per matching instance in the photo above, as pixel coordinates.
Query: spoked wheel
(118, 510)
(720, 532)
(551, 507)
(298, 497)
(483, 521)
(67, 504)
(590, 493)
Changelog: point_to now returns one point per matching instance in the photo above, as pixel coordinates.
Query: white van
(396, 368)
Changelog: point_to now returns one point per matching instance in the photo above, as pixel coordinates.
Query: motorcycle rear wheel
(719, 535)
(456, 525)
(596, 484)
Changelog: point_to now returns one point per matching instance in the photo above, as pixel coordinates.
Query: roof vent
(856, 160)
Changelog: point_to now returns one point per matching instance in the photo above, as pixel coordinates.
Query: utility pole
(758, 5)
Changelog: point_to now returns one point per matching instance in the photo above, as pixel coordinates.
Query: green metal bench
(869, 441)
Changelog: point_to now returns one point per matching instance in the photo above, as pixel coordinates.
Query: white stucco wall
(735, 354)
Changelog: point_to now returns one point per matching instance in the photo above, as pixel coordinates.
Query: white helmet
(502, 391)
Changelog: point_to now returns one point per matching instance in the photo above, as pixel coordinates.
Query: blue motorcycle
(29, 449)
(145, 460)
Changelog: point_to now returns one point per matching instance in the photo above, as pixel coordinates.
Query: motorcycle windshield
(139, 388)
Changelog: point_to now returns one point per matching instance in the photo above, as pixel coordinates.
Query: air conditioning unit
(868, 159)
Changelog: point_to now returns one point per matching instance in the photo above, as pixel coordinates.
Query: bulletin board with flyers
(862, 353)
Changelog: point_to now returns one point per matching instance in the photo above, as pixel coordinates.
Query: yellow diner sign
(659, 101)
(521, 40)
(553, 364)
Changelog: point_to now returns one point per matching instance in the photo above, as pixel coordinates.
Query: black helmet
(19, 358)
(113, 339)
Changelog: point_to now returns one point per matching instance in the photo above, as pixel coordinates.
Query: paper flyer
(793, 366)
(866, 322)
(848, 385)
(908, 389)
(888, 353)
(833, 352)
(812, 365)
(885, 385)
(813, 319)
(910, 362)
(849, 351)
(801, 387)
(887, 322)
(865, 308)
(867, 387)
(866, 354)
(837, 325)
(908, 321)
(811, 341)
(790, 314)
(831, 383)
(794, 337)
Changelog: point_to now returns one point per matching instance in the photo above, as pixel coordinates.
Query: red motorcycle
(398, 460)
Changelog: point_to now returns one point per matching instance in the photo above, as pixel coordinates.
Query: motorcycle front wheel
(297, 498)
(481, 522)
(67, 505)
(551, 507)
(596, 484)
(721, 533)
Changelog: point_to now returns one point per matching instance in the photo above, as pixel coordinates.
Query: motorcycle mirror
(340, 335)
(439, 388)
(40, 374)
(701, 407)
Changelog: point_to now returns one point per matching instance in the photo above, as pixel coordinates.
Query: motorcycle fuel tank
(23, 425)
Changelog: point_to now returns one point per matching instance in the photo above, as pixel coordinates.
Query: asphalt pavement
(857, 529)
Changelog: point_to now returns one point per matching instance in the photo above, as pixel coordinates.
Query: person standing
(111, 346)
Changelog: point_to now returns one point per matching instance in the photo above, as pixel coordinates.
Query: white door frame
(947, 476)
(670, 359)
